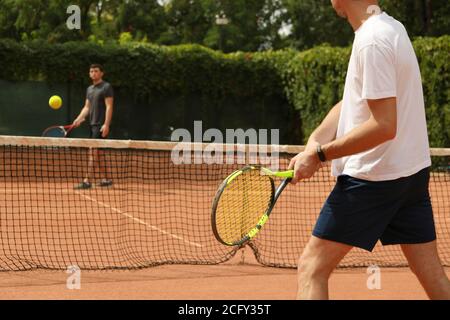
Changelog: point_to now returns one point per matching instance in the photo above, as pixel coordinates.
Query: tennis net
(156, 211)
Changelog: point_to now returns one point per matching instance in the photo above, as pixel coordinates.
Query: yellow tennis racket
(243, 203)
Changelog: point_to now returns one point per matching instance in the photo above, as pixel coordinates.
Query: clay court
(149, 236)
(229, 281)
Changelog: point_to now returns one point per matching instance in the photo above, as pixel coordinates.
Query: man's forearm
(360, 139)
(326, 131)
(108, 116)
(379, 128)
(84, 113)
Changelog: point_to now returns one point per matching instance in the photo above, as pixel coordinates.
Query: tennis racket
(58, 131)
(243, 203)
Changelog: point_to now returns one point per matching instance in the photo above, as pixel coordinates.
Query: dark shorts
(95, 132)
(360, 212)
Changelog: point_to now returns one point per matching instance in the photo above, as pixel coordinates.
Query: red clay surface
(222, 282)
(64, 226)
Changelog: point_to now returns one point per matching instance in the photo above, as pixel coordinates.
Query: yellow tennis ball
(55, 102)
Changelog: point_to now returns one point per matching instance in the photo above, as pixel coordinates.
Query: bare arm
(83, 114)
(326, 131)
(379, 128)
(108, 117)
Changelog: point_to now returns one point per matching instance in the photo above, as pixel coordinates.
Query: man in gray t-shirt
(98, 95)
(99, 106)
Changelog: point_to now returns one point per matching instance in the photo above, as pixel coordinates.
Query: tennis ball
(55, 102)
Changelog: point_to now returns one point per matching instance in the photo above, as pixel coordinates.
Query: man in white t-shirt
(377, 139)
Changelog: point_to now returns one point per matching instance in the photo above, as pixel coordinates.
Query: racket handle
(280, 174)
(285, 174)
(280, 189)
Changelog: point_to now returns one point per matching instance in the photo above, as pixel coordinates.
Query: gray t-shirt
(96, 94)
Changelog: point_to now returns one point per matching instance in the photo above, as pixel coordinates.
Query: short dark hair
(96, 66)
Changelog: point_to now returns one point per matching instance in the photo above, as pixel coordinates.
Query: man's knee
(423, 260)
(320, 258)
(312, 267)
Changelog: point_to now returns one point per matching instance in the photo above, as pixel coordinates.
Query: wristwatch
(321, 154)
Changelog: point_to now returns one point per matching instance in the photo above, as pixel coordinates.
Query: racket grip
(285, 174)
(280, 174)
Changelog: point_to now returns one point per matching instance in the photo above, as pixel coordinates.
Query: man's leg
(103, 169)
(315, 266)
(98, 163)
(424, 261)
(93, 160)
(86, 184)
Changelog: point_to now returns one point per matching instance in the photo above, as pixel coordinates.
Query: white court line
(140, 221)
(15, 191)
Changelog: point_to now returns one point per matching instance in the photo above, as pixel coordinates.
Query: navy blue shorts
(360, 212)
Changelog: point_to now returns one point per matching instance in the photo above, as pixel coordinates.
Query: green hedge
(143, 69)
(434, 59)
(309, 82)
(314, 82)
(239, 90)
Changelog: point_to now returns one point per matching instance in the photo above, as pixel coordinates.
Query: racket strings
(243, 202)
(55, 132)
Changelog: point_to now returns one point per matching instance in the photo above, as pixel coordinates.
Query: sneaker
(105, 183)
(83, 186)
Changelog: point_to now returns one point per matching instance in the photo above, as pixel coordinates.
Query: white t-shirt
(383, 65)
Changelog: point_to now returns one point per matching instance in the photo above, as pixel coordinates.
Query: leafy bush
(303, 85)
